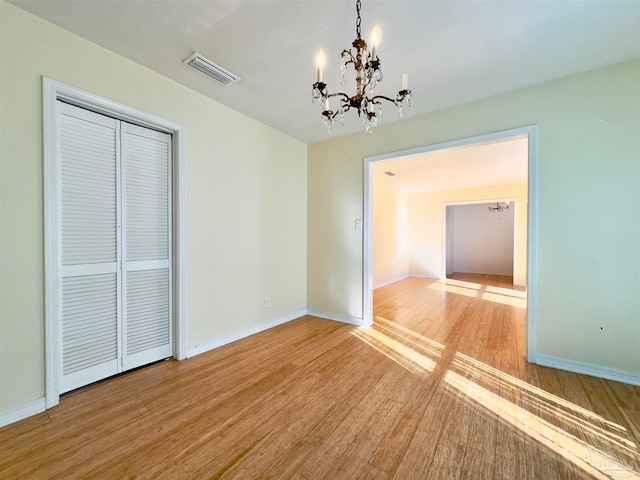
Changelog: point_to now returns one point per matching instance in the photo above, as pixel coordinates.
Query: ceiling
(454, 51)
(499, 162)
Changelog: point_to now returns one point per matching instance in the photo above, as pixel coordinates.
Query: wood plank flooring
(438, 388)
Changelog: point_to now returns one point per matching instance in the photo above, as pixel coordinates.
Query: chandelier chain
(358, 20)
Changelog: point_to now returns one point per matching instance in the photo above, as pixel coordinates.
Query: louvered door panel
(89, 329)
(147, 323)
(88, 162)
(88, 186)
(148, 315)
(147, 196)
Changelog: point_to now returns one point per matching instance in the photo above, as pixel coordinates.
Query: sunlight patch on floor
(594, 444)
(504, 299)
(505, 296)
(510, 292)
(474, 368)
(586, 456)
(443, 285)
(421, 339)
(460, 283)
(416, 353)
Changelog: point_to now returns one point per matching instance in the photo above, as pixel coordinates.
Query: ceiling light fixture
(499, 207)
(368, 74)
(210, 69)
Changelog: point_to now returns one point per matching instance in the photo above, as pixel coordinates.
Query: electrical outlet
(267, 302)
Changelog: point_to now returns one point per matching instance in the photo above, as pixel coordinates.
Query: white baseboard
(20, 412)
(336, 317)
(420, 275)
(220, 341)
(588, 369)
(389, 282)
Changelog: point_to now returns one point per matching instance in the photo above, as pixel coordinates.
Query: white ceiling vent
(210, 69)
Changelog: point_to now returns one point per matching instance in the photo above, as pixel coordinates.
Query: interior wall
(483, 239)
(588, 253)
(426, 223)
(246, 197)
(390, 243)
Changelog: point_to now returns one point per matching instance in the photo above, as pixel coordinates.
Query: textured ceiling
(454, 51)
(479, 165)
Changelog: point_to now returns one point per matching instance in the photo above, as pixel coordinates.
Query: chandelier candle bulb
(405, 81)
(326, 105)
(375, 40)
(320, 60)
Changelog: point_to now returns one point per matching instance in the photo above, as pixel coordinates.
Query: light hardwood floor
(438, 388)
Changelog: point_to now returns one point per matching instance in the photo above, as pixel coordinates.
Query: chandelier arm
(382, 97)
(345, 106)
(331, 114)
(401, 96)
(351, 58)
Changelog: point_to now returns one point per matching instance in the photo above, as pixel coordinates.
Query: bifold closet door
(89, 277)
(146, 274)
(115, 228)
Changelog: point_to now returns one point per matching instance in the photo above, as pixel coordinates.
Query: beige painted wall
(426, 222)
(246, 194)
(588, 252)
(482, 240)
(390, 243)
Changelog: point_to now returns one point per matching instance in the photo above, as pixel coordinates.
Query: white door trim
(52, 91)
(532, 219)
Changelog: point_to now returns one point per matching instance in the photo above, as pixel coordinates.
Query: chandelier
(368, 74)
(499, 207)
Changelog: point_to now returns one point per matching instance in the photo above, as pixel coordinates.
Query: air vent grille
(210, 69)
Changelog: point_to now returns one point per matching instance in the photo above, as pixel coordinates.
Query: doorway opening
(452, 182)
(482, 237)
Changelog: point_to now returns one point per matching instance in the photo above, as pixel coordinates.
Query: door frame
(532, 221)
(53, 91)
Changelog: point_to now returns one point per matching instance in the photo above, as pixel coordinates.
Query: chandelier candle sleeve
(368, 74)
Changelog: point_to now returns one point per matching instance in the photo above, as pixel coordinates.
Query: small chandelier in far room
(368, 74)
(500, 207)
